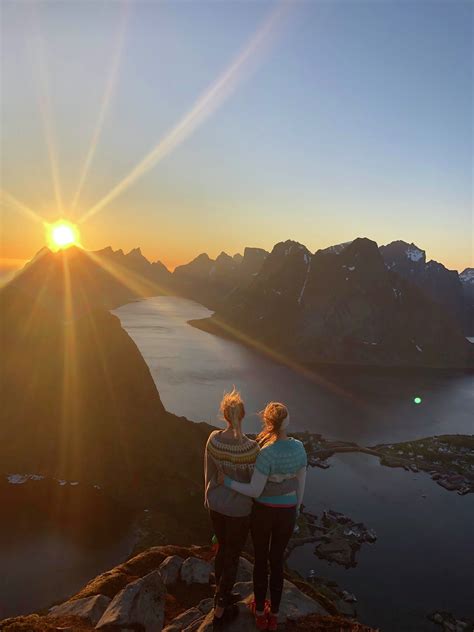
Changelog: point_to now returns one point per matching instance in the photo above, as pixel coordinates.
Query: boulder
(195, 571)
(170, 568)
(295, 604)
(89, 608)
(184, 620)
(206, 605)
(140, 605)
(245, 571)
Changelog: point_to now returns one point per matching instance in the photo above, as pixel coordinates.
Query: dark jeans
(271, 529)
(231, 534)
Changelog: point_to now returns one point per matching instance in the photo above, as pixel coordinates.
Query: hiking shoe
(261, 620)
(272, 621)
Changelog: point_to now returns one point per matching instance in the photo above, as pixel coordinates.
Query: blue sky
(354, 119)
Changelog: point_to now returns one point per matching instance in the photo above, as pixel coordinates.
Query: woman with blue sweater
(273, 519)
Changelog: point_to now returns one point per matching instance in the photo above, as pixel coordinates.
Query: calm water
(53, 541)
(424, 557)
(193, 368)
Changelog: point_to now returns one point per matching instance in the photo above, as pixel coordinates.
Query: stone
(90, 608)
(195, 571)
(245, 570)
(170, 569)
(140, 605)
(206, 605)
(345, 608)
(336, 550)
(193, 627)
(184, 620)
(295, 604)
(244, 588)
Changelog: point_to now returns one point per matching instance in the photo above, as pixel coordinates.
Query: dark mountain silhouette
(210, 281)
(78, 400)
(108, 278)
(432, 277)
(467, 284)
(342, 306)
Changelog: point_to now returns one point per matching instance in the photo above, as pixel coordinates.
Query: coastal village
(449, 459)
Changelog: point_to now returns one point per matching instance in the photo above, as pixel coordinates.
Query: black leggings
(271, 529)
(231, 534)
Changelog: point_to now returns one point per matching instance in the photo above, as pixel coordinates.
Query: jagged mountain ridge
(442, 285)
(343, 306)
(239, 286)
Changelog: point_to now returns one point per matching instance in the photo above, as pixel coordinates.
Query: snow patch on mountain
(337, 248)
(414, 254)
(308, 269)
(467, 276)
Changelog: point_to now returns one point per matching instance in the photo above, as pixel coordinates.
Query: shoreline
(210, 326)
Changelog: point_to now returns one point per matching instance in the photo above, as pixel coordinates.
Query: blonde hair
(233, 411)
(273, 415)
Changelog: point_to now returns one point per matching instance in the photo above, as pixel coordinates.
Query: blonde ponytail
(233, 411)
(273, 416)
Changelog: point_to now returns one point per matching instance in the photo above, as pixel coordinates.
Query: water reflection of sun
(62, 234)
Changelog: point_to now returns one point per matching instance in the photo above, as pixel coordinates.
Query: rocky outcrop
(141, 605)
(342, 307)
(90, 609)
(134, 596)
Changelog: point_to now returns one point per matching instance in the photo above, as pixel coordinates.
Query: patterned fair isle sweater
(236, 458)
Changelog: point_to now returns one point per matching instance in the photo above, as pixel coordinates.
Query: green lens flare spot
(417, 400)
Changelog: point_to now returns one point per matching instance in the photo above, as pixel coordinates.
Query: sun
(62, 234)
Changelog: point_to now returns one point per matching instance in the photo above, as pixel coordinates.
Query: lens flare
(417, 400)
(62, 234)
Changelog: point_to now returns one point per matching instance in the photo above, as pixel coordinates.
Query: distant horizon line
(9, 265)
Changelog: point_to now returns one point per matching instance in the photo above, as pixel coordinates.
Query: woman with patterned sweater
(231, 453)
(281, 458)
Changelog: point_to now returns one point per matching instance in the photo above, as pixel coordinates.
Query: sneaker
(272, 621)
(261, 621)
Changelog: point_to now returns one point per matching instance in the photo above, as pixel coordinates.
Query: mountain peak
(467, 276)
(399, 251)
(289, 248)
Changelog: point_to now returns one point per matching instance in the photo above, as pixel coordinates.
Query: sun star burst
(62, 234)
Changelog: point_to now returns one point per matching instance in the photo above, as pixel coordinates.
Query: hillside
(79, 402)
(341, 306)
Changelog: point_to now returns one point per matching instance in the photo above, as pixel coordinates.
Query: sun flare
(62, 234)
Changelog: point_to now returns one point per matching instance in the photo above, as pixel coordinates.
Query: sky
(262, 121)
